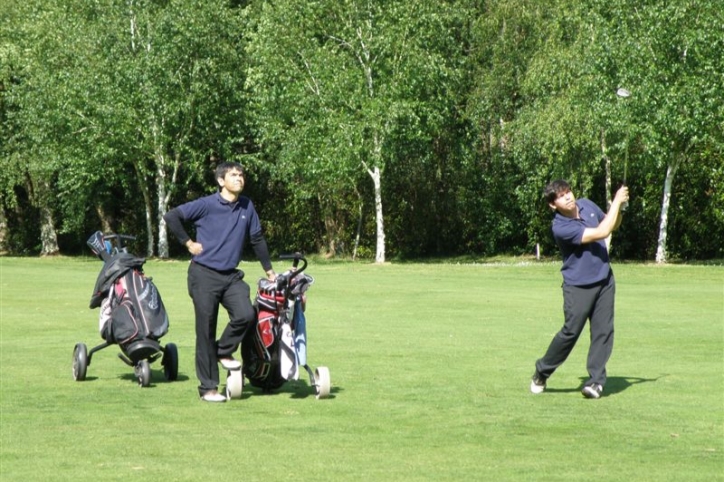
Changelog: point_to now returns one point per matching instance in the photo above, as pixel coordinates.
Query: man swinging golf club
(580, 229)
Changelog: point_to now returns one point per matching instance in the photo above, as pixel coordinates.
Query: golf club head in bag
(97, 244)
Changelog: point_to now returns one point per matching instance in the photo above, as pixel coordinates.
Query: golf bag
(131, 306)
(271, 349)
(132, 313)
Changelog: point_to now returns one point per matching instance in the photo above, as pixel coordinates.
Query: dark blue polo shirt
(222, 228)
(583, 264)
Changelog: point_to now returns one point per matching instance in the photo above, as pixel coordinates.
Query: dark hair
(552, 190)
(225, 167)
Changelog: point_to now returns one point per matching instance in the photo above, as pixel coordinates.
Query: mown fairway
(430, 366)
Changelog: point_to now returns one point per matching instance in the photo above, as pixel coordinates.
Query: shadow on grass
(156, 376)
(562, 390)
(295, 389)
(614, 385)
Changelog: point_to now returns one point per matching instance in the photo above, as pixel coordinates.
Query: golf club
(625, 94)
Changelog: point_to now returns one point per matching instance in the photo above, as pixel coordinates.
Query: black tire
(170, 362)
(143, 373)
(80, 362)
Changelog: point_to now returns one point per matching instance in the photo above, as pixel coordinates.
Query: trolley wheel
(80, 362)
(322, 382)
(234, 384)
(143, 373)
(170, 362)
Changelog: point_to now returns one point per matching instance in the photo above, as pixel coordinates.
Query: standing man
(223, 222)
(580, 229)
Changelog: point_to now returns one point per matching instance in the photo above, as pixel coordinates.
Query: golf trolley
(132, 313)
(275, 347)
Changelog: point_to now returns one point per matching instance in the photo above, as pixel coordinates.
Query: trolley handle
(284, 278)
(120, 239)
(297, 257)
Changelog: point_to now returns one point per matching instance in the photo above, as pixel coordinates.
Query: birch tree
(38, 109)
(334, 83)
(183, 75)
(676, 70)
(125, 96)
(571, 123)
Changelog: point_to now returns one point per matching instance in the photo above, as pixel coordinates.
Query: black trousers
(208, 289)
(582, 303)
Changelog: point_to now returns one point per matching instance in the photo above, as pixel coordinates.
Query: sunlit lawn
(430, 366)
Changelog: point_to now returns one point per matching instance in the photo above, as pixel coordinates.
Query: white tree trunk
(376, 179)
(666, 201)
(376, 175)
(149, 224)
(164, 197)
(161, 196)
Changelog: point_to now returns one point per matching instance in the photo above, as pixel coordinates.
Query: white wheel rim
(234, 384)
(322, 382)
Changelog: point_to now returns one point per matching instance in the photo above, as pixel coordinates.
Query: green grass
(430, 366)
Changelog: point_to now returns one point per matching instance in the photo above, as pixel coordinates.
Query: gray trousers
(209, 289)
(581, 303)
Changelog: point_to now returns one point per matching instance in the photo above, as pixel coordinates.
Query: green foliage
(337, 94)
(113, 99)
(569, 117)
(696, 209)
(113, 111)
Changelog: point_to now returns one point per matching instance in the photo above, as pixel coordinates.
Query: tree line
(368, 129)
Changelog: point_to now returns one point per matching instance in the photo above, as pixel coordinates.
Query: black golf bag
(131, 306)
(132, 314)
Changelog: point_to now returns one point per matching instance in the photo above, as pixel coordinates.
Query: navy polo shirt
(222, 228)
(583, 264)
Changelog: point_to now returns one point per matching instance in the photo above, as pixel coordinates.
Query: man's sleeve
(256, 238)
(174, 221)
(258, 244)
